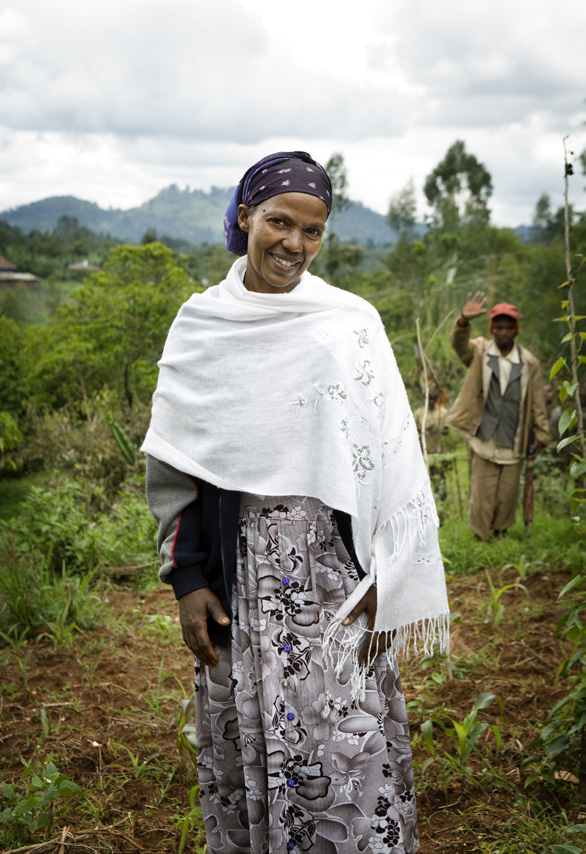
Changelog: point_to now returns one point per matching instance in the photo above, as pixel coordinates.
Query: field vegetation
(95, 683)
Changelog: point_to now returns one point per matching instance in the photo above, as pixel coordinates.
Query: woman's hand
(373, 646)
(474, 306)
(194, 609)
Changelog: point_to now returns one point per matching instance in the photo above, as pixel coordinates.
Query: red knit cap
(506, 309)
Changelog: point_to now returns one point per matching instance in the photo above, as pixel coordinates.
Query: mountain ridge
(193, 215)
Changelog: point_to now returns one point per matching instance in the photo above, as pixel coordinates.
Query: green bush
(55, 522)
(78, 440)
(34, 596)
(61, 525)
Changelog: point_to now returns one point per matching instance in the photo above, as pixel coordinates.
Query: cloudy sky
(113, 100)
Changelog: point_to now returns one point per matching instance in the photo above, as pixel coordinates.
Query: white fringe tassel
(421, 637)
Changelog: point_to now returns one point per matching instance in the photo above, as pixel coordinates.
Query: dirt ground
(106, 708)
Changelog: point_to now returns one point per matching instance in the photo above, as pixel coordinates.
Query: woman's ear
(243, 217)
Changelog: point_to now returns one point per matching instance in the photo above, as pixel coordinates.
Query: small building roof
(19, 278)
(5, 264)
(84, 267)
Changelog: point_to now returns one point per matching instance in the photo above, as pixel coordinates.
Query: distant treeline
(190, 215)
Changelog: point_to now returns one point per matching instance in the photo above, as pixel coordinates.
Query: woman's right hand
(194, 609)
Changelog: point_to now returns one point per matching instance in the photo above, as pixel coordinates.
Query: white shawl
(299, 394)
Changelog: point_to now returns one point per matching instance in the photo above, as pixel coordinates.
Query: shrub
(69, 523)
(32, 596)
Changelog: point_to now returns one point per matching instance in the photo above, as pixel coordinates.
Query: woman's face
(284, 235)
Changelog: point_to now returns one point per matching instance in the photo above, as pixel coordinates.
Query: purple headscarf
(284, 172)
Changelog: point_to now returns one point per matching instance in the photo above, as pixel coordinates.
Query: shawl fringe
(404, 536)
(423, 637)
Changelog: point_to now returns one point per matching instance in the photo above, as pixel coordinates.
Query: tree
(547, 224)
(342, 259)
(335, 257)
(402, 209)
(66, 226)
(112, 332)
(336, 169)
(150, 236)
(458, 189)
(542, 213)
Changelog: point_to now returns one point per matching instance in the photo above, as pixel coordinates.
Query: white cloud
(487, 63)
(111, 101)
(15, 35)
(211, 72)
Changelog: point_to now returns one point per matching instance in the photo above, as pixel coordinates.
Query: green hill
(193, 215)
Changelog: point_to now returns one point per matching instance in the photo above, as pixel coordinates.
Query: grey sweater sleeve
(169, 492)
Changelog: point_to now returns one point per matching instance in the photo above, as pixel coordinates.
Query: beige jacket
(466, 413)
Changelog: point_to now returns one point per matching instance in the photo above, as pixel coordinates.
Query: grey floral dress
(287, 761)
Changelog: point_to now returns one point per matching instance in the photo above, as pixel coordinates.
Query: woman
(297, 527)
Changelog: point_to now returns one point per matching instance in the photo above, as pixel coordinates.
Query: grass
(551, 545)
(34, 599)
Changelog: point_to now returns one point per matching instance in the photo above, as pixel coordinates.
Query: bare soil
(111, 702)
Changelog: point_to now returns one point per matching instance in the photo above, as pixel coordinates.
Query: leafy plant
(22, 659)
(18, 641)
(10, 439)
(111, 331)
(34, 808)
(496, 609)
(61, 523)
(563, 737)
(164, 626)
(186, 734)
(565, 849)
(192, 821)
(523, 567)
(122, 439)
(54, 522)
(138, 767)
(464, 735)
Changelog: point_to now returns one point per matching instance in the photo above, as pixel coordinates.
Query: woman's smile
(283, 262)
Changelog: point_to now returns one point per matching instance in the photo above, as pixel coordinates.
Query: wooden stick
(425, 407)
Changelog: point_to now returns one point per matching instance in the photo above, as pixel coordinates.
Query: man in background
(500, 411)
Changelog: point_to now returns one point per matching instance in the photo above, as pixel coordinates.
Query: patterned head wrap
(505, 309)
(284, 172)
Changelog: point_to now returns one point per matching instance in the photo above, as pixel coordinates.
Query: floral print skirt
(288, 762)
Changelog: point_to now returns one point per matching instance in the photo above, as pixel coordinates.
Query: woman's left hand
(373, 646)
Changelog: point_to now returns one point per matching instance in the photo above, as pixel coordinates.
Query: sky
(112, 101)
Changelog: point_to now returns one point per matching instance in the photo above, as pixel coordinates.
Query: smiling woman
(297, 527)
